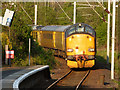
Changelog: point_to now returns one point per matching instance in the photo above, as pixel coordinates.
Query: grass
(101, 56)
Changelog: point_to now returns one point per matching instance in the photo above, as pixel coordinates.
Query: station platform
(17, 76)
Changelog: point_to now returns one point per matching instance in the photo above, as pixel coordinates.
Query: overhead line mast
(74, 17)
(35, 14)
(108, 32)
(113, 39)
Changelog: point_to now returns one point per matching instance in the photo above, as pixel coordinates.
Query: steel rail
(53, 84)
(80, 83)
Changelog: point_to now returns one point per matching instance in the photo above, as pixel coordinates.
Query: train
(76, 43)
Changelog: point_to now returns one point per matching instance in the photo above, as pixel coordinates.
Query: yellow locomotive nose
(80, 45)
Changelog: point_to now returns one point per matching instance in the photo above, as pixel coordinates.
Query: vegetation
(48, 14)
(18, 40)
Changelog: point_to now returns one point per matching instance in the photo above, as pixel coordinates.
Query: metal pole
(48, 3)
(35, 14)
(29, 50)
(74, 17)
(9, 33)
(102, 2)
(45, 3)
(9, 40)
(10, 62)
(6, 60)
(108, 32)
(113, 40)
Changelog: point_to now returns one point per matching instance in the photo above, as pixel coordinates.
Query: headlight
(91, 57)
(69, 50)
(91, 49)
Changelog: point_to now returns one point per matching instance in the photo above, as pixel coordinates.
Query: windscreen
(80, 29)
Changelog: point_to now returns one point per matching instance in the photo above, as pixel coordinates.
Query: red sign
(10, 54)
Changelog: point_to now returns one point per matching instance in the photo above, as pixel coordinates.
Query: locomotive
(76, 43)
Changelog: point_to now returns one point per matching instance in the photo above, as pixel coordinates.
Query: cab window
(80, 29)
(71, 30)
(89, 30)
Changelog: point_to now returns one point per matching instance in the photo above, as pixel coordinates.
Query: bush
(38, 57)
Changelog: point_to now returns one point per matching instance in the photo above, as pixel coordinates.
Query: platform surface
(10, 75)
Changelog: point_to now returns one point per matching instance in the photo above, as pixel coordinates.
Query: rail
(83, 79)
(78, 85)
(53, 84)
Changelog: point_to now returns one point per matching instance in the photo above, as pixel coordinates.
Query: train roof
(58, 28)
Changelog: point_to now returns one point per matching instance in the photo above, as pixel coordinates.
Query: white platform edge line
(21, 78)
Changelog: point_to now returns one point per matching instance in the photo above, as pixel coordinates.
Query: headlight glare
(69, 50)
(91, 49)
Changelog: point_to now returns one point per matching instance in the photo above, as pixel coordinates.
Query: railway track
(73, 78)
(83, 79)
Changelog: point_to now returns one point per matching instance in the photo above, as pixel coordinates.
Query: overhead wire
(25, 11)
(96, 12)
(105, 9)
(63, 11)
